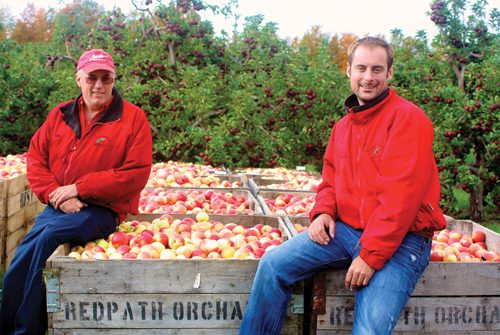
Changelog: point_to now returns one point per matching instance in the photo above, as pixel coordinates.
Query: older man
(88, 162)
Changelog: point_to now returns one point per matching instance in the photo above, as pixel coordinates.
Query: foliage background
(250, 98)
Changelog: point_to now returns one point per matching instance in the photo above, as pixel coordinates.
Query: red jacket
(110, 164)
(380, 175)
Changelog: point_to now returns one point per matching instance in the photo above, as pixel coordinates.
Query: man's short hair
(371, 42)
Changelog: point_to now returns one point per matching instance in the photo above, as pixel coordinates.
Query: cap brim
(97, 66)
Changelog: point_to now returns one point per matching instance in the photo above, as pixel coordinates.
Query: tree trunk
(476, 207)
(476, 204)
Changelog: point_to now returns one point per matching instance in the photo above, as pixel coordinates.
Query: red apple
(478, 236)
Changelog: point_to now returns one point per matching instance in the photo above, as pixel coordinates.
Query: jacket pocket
(428, 217)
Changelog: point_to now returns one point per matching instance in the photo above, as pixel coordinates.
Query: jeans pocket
(414, 243)
(413, 252)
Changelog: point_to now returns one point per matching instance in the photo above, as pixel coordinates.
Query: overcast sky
(294, 18)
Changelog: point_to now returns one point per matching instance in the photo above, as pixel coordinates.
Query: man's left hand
(359, 274)
(61, 194)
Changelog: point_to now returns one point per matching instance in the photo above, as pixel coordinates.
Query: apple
(478, 236)
(144, 239)
(161, 237)
(119, 238)
(130, 255)
(199, 253)
(175, 241)
(100, 256)
(214, 254)
(202, 216)
(116, 256)
(184, 250)
(227, 252)
(209, 246)
(123, 249)
(75, 255)
(168, 254)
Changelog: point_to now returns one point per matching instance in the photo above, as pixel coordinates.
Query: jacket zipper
(360, 148)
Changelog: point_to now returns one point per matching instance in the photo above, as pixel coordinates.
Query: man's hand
(359, 274)
(318, 229)
(73, 205)
(61, 194)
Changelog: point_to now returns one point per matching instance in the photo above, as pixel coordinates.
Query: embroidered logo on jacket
(103, 141)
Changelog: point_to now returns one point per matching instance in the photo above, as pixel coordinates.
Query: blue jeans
(24, 309)
(378, 305)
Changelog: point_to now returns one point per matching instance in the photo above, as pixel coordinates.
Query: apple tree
(468, 41)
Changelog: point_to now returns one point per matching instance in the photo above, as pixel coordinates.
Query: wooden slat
(3, 241)
(288, 329)
(19, 201)
(13, 241)
(16, 185)
(422, 314)
(20, 218)
(153, 276)
(157, 311)
(439, 279)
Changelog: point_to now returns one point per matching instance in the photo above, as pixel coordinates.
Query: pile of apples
(309, 184)
(187, 238)
(177, 201)
(454, 246)
(12, 166)
(179, 174)
(289, 204)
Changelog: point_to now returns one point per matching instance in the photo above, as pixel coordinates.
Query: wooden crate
(156, 296)
(450, 298)
(19, 208)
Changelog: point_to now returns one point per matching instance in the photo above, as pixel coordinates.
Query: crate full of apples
(193, 201)
(286, 203)
(190, 274)
(180, 174)
(458, 293)
(18, 205)
(186, 237)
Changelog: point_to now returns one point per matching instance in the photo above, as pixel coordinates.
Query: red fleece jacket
(380, 175)
(110, 164)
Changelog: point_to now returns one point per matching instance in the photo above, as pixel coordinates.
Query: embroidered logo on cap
(96, 58)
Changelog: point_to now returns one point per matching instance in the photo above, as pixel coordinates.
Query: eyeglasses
(91, 80)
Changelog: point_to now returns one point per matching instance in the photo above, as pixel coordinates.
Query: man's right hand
(72, 205)
(322, 229)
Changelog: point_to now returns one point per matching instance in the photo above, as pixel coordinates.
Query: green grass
(495, 226)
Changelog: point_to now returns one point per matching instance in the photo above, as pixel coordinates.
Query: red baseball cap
(95, 59)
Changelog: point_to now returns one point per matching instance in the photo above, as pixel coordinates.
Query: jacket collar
(364, 112)
(112, 113)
